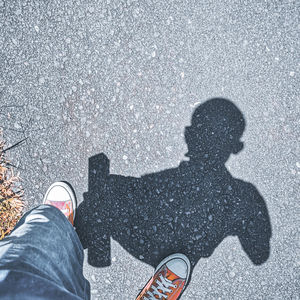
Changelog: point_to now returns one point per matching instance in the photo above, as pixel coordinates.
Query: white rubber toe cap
(58, 193)
(178, 267)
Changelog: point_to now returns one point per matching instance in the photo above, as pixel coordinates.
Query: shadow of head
(188, 209)
(216, 128)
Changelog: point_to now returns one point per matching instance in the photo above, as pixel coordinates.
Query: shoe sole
(69, 189)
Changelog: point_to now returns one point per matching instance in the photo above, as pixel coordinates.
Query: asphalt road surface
(80, 78)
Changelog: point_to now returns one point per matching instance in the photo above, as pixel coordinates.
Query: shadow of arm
(256, 247)
(255, 229)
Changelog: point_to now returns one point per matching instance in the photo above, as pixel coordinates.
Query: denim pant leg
(42, 258)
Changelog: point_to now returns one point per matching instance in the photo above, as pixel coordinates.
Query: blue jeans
(42, 259)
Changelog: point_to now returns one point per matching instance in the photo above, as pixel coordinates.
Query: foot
(61, 195)
(169, 280)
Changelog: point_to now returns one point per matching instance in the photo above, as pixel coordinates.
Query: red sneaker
(169, 280)
(61, 195)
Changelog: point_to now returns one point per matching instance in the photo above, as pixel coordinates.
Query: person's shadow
(188, 209)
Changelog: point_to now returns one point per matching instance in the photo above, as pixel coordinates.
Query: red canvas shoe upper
(66, 207)
(163, 285)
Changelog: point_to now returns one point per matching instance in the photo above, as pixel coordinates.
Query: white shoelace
(164, 285)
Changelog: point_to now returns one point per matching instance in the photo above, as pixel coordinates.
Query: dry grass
(11, 203)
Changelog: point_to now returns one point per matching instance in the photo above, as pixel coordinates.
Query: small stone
(91, 9)
(37, 29)
(114, 259)
(17, 126)
(231, 274)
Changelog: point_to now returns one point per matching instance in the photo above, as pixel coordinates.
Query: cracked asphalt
(78, 78)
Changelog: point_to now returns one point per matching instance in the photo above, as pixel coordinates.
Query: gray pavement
(123, 77)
